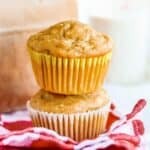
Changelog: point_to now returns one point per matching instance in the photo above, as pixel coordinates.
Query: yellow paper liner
(69, 75)
(78, 126)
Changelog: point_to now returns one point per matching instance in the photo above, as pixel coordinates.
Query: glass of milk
(128, 29)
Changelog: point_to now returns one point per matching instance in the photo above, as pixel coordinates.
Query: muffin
(77, 116)
(70, 58)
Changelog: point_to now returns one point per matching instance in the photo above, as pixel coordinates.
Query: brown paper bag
(18, 20)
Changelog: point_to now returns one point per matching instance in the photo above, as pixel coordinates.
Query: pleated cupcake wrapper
(78, 126)
(69, 75)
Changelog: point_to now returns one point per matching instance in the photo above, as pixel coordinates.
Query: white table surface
(126, 96)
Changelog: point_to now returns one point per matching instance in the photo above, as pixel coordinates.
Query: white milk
(148, 41)
(128, 31)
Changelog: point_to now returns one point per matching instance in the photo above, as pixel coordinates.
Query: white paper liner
(78, 126)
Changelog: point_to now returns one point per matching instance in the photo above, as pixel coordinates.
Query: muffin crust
(70, 39)
(54, 103)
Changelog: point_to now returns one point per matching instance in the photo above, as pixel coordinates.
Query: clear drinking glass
(128, 28)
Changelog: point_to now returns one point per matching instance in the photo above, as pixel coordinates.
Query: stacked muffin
(70, 61)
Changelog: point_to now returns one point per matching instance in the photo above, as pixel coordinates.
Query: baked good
(70, 58)
(77, 116)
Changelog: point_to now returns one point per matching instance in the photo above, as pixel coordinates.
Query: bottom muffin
(78, 117)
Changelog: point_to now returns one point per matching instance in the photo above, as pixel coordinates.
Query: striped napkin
(124, 132)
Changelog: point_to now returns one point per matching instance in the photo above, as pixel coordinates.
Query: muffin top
(70, 39)
(54, 103)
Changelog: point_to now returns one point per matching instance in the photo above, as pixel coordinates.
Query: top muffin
(70, 58)
(70, 39)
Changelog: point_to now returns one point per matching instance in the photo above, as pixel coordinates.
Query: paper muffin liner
(69, 75)
(78, 126)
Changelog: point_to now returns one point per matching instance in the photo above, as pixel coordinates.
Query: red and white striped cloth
(124, 132)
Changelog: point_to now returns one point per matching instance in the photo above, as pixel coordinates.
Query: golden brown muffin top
(54, 103)
(70, 39)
